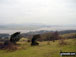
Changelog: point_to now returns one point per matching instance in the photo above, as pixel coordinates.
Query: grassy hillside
(43, 50)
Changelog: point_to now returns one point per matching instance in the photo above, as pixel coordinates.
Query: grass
(43, 50)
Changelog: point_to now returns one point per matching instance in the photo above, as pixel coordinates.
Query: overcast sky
(53, 12)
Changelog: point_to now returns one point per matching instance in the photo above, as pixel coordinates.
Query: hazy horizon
(49, 12)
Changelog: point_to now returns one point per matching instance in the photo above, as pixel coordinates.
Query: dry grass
(43, 50)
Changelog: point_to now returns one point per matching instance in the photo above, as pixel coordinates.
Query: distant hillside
(67, 31)
(45, 32)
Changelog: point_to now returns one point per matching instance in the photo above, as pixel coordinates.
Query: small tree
(48, 36)
(55, 36)
(33, 41)
(15, 37)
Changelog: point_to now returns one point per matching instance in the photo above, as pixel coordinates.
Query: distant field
(43, 50)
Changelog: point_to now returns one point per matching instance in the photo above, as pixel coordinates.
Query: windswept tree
(33, 41)
(15, 37)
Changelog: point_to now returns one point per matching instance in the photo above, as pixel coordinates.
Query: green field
(43, 50)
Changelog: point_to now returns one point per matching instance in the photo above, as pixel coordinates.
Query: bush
(62, 42)
(9, 46)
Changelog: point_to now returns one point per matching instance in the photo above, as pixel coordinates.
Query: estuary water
(46, 28)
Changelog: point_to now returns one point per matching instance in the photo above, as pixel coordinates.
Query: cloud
(38, 11)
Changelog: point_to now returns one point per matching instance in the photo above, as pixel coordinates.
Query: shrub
(9, 46)
(62, 42)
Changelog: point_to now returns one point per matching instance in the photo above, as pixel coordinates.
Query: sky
(50, 12)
